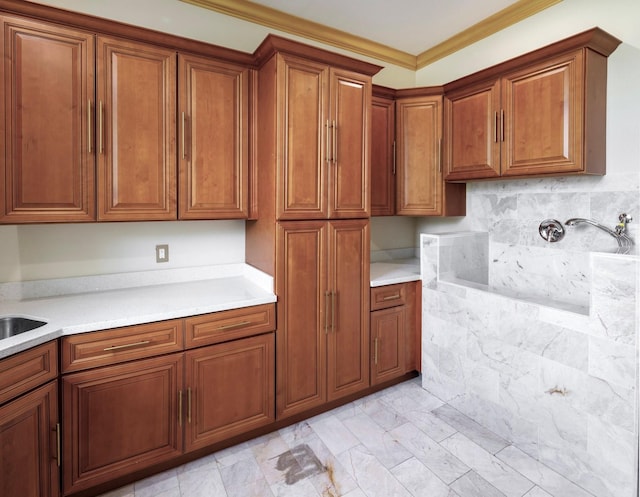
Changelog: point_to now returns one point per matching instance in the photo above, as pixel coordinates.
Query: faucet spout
(624, 241)
(579, 220)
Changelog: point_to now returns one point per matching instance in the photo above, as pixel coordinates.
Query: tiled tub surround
(561, 385)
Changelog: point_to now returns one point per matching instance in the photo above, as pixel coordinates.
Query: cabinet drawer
(229, 325)
(26, 370)
(102, 348)
(383, 297)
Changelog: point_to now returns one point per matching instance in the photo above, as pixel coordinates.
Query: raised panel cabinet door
(348, 286)
(121, 418)
(388, 330)
(472, 132)
(303, 316)
(213, 139)
(543, 117)
(350, 123)
(47, 163)
(383, 183)
(136, 109)
(230, 389)
(419, 175)
(303, 134)
(28, 444)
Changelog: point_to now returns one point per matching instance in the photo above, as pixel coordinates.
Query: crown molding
(491, 25)
(276, 19)
(272, 18)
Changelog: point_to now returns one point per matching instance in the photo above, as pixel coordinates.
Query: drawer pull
(126, 346)
(391, 297)
(234, 325)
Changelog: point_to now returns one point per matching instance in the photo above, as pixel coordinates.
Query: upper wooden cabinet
(213, 138)
(406, 161)
(321, 117)
(383, 170)
(47, 168)
(541, 114)
(136, 107)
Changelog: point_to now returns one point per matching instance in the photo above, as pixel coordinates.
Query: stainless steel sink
(14, 325)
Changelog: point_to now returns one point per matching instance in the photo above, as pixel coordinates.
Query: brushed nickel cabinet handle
(392, 297)
(326, 312)
(495, 128)
(502, 125)
(440, 154)
(100, 126)
(233, 325)
(89, 127)
(180, 408)
(394, 157)
(58, 444)
(326, 145)
(375, 351)
(333, 311)
(189, 405)
(126, 346)
(335, 142)
(182, 137)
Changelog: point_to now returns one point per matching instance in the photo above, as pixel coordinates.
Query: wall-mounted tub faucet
(619, 233)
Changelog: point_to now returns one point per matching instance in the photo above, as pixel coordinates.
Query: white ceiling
(412, 26)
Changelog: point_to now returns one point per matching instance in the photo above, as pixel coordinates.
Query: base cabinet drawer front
(26, 370)
(103, 348)
(383, 297)
(229, 325)
(120, 419)
(28, 444)
(230, 389)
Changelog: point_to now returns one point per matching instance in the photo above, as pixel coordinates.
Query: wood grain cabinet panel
(324, 140)
(213, 144)
(47, 166)
(21, 372)
(383, 170)
(136, 108)
(108, 347)
(322, 345)
(28, 444)
(388, 335)
(230, 389)
(119, 418)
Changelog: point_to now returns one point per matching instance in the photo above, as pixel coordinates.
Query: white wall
(619, 18)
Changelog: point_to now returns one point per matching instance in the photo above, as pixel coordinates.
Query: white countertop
(80, 305)
(111, 308)
(394, 271)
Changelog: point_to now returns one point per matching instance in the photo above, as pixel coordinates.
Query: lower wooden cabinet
(29, 425)
(230, 390)
(28, 444)
(122, 418)
(395, 336)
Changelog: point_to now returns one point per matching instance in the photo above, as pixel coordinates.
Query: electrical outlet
(162, 253)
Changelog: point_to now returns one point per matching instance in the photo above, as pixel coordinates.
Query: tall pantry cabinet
(312, 228)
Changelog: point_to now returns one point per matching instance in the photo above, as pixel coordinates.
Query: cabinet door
(120, 418)
(213, 141)
(349, 183)
(348, 333)
(472, 132)
(419, 179)
(230, 389)
(303, 315)
(388, 330)
(136, 131)
(303, 139)
(47, 168)
(28, 444)
(383, 171)
(543, 117)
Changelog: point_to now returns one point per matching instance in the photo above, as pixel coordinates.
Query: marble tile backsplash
(520, 260)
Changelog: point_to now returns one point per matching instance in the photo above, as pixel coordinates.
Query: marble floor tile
(400, 442)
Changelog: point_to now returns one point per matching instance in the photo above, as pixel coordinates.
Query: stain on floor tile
(299, 463)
